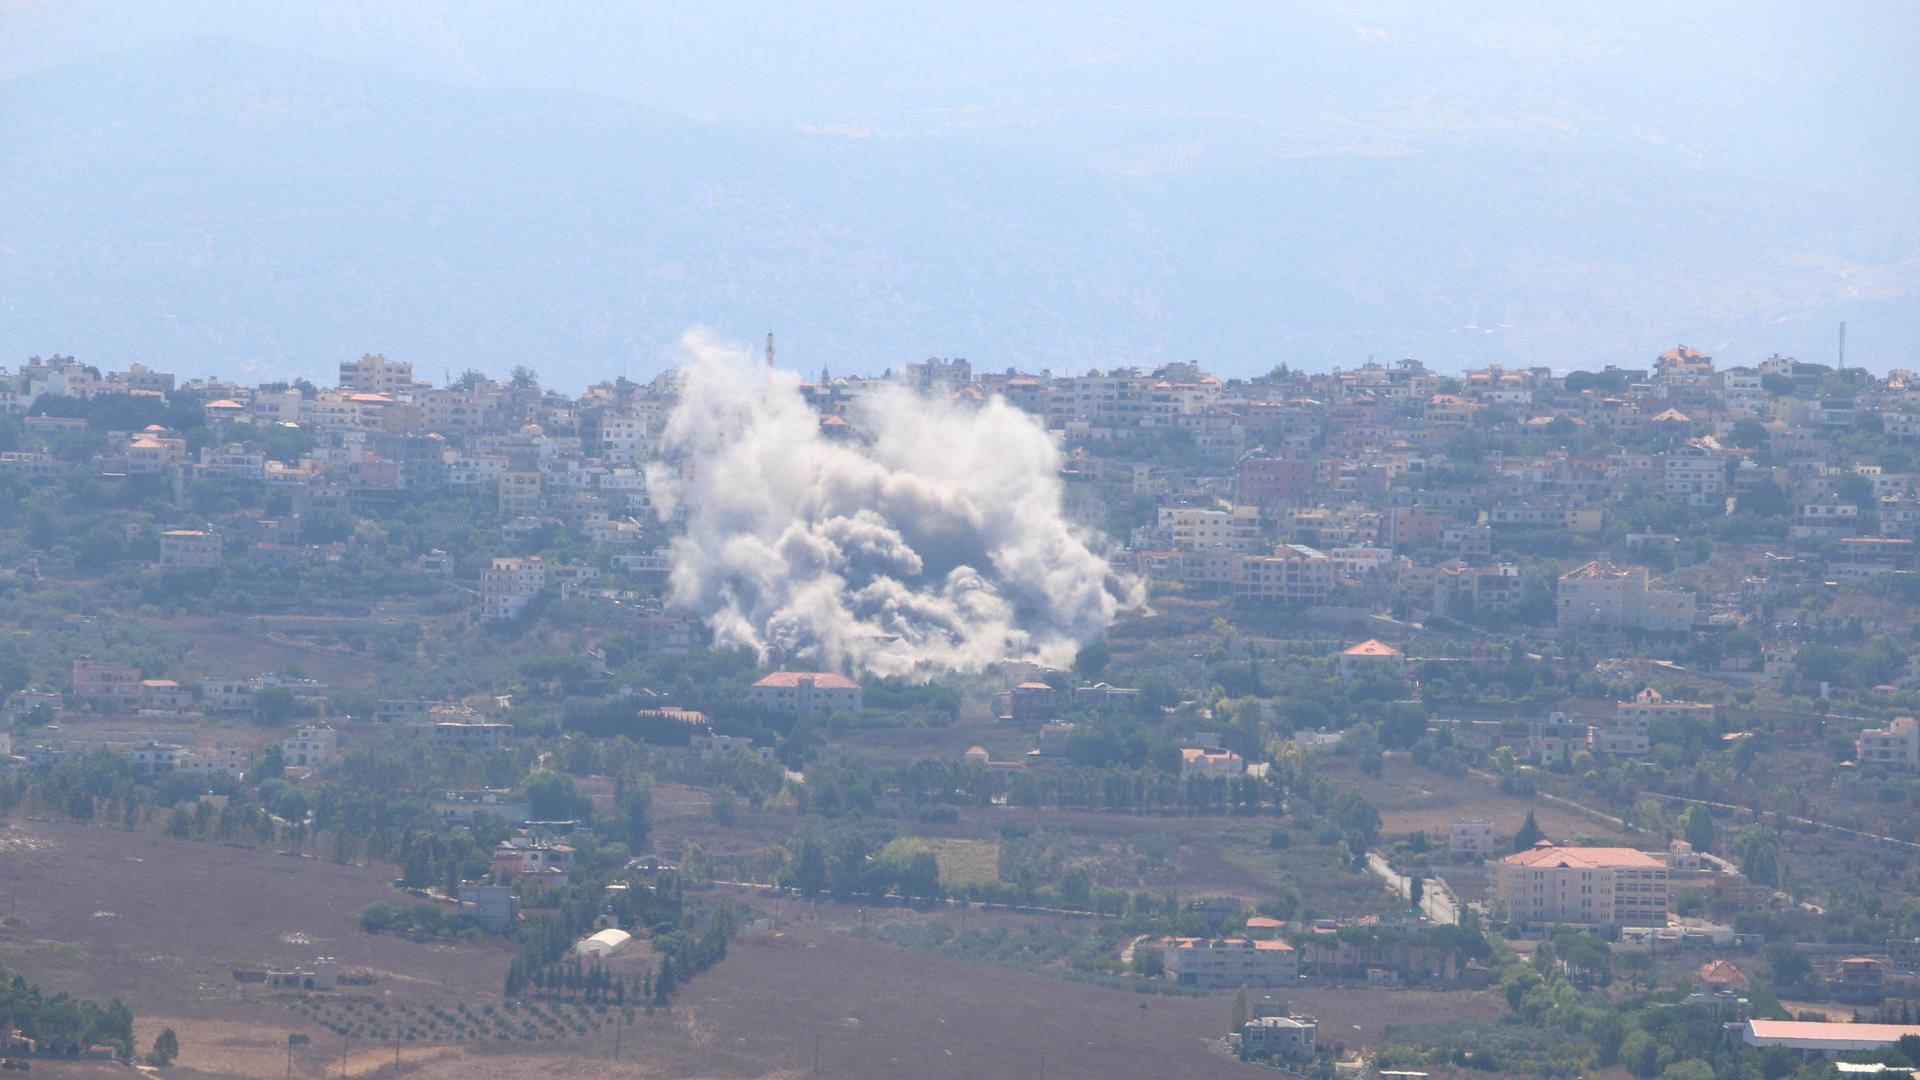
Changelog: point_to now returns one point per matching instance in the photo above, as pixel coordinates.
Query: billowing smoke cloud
(939, 542)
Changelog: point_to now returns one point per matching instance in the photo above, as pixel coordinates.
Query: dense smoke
(935, 539)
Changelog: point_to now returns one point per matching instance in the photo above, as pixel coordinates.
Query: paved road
(1437, 902)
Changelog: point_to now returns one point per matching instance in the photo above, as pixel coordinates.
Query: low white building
(602, 945)
(1472, 838)
(189, 549)
(1822, 1037)
(311, 747)
(1895, 746)
(1229, 962)
(808, 693)
(1207, 761)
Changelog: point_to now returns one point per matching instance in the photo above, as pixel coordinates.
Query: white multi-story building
(808, 693)
(184, 550)
(1896, 746)
(1589, 886)
(470, 737)
(1481, 590)
(375, 374)
(1293, 575)
(1602, 596)
(509, 585)
(624, 439)
(311, 747)
(1627, 731)
(221, 759)
(1192, 527)
(154, 759)
(1695, 475)
(1218, 962)
(1472, 838)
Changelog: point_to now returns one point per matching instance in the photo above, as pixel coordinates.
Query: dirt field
(1410, 797)
(162, 922)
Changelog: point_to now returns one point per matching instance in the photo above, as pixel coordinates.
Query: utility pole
(616, 1034)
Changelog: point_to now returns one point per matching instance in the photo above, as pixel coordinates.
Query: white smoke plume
(939, 543)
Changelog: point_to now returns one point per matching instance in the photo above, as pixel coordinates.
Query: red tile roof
(822, 680)
(1597, 858)
(1370, 647)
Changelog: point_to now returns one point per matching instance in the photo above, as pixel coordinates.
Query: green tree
(1748, 434)
(1756, 849)
(553, 796)
(1529, 834)
(1091, 661)
(810, 867)
(1148, 961)
(1764, 499)
(1699, 828)
(1416, 890)
(166, 1047)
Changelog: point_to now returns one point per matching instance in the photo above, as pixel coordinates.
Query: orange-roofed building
(1371, 655)
(1582, 886)
(1720, 975)
(1824, 1037)
(1221, 962)
(808, 693)
(1202, 761)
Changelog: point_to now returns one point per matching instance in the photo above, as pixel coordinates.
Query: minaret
(769, 349)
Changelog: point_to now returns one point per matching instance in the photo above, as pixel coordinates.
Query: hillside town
(1581, 702)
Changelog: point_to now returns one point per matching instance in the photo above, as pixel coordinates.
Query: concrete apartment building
(1895, 746)
(187, 550)
(1235, 529)
(1602, 596)
(519, 493)
(1294, 575)
(470, 737)
(375, 374)
(1231, 962)
(1556, 737)
(1280, 1036)
(311, 747)
(808, 693)
(1478, 590)
(1627, 730)
(106, 683)
(1472, 837)
(1582, 886)
(509, 585)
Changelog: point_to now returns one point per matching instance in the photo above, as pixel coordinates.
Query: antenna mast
(1843, 345)
(769, 349)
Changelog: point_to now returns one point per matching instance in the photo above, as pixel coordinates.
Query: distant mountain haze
(224, 205)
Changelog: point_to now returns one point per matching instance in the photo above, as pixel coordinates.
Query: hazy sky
(1041, 184)
(1810, 89)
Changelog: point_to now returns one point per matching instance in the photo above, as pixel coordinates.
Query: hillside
(217, 205)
